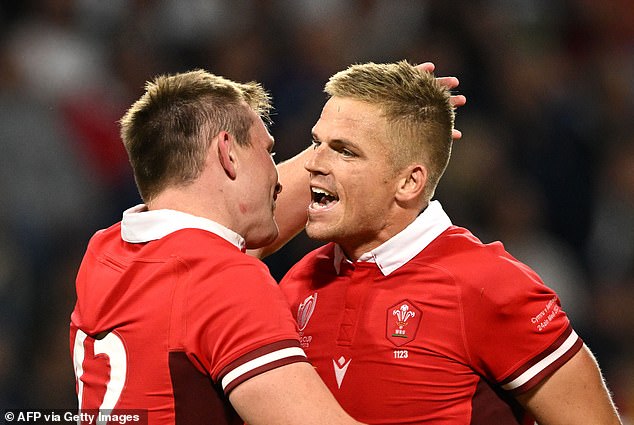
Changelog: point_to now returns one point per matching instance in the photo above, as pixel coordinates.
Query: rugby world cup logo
(402, 322)
(305, 311)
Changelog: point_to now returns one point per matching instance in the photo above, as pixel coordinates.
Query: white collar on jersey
(140, 225)
(406, 244)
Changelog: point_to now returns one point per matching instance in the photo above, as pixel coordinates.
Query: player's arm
(291, 394)
(574, 394)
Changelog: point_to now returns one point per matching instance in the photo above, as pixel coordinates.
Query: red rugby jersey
(186, 316)
(434, 327)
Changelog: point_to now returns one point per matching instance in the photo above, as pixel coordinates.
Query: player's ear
(411, 185)
(226, 154)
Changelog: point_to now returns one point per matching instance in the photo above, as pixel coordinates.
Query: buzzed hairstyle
(168, 131)
(417, 109)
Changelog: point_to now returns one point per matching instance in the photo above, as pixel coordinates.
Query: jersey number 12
(111, 346)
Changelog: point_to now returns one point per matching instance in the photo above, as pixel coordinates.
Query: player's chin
(266, 235)
(319, 231)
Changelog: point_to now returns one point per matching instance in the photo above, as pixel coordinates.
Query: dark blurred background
(546, 163)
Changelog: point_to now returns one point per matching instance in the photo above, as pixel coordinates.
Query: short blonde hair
(167, 132)
(416, 107)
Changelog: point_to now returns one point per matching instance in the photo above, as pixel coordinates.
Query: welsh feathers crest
(403, 319)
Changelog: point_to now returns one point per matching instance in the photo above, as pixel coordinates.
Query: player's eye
(347, 153)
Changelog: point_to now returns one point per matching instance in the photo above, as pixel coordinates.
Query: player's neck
(189, 201)
(395, 222)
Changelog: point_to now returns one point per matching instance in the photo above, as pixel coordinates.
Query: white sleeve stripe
(542, 364)
(260, 361)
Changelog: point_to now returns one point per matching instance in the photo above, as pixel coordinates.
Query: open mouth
(322, 199)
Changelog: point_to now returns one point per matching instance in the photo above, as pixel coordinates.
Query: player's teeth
(322, 192)
(318, 205)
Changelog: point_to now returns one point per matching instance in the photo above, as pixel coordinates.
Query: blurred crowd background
(546, 163)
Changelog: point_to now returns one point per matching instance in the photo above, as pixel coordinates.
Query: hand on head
(457, 100)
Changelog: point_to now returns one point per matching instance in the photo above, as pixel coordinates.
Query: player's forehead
(349, 111)
(351, 120)
(259, 132)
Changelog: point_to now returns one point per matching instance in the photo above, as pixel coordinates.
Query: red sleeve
(238, 323)
(515, 329)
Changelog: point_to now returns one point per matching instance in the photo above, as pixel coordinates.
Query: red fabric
(471, 317)
(190, 292)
